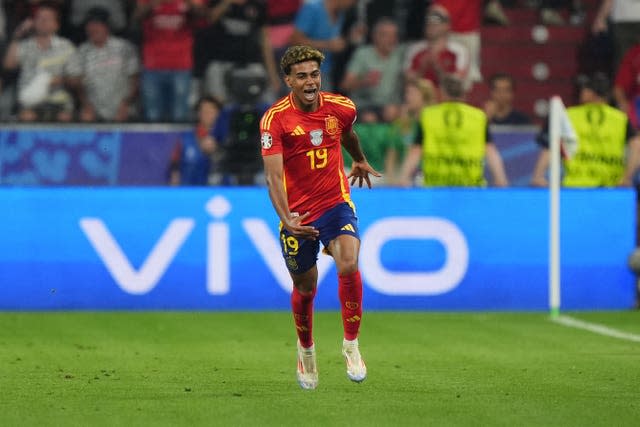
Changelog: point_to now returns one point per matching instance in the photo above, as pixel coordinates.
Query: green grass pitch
(440, 369)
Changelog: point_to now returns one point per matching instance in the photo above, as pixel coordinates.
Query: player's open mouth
(310, 94)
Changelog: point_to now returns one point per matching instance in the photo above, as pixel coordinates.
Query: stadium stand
(544, 60)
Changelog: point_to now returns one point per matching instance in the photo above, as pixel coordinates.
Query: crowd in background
(166, 60)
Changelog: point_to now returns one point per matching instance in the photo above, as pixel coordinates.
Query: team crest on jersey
(331, 125)
(316, 137)
(266, 140)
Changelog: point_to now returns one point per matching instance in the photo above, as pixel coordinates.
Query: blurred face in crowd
(385, 37)
(436, 24)
(413, 97)
(45, 21)
(304, 81)
(97, 32)
(502, 92)
(208, 113)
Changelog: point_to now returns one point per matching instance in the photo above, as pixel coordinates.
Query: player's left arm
(360, 168)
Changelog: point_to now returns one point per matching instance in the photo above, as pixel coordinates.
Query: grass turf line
(239, 369)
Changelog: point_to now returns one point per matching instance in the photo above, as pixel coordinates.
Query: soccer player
(301, 137)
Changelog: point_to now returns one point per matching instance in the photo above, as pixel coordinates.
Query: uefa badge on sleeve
(266, 140)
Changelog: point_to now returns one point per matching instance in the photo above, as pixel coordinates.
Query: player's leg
(300, 257)
(344, 249)
(302, 295)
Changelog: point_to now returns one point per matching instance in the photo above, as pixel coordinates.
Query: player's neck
(306, 107)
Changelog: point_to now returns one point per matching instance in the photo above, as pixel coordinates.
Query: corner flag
(563, 141)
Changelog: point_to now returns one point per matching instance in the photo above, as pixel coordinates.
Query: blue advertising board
(103, 155)
(218, 249)
(130, 154)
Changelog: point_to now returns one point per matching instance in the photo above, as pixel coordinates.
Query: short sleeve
(270, 135)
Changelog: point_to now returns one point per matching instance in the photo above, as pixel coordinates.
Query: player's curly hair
(297, 54)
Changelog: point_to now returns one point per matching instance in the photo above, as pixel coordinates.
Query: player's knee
(305, 288)
(347, 265)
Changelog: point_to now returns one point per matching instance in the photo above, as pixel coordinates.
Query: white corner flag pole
(555, 117)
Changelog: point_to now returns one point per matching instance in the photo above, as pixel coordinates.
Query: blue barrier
(87, 155)
(132, 154)
(217, 248)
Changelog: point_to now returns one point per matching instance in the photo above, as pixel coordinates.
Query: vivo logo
(219, 253)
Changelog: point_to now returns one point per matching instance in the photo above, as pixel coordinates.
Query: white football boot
(307, 372)
(356, 369)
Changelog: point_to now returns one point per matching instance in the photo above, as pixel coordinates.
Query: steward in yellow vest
(608, 150)
(453, 142)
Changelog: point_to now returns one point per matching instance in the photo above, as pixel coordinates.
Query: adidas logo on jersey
(348, 227)
(298, 131)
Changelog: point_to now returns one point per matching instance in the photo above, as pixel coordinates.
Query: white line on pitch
(595, 328)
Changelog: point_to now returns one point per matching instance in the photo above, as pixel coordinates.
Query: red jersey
(310, 144)
(167, 36)
(628, 75)
(454, 59)
(466, 15)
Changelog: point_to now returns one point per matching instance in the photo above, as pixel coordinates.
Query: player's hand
(360, 171)
(294, 226)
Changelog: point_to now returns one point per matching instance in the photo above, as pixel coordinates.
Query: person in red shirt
(466, 20)
(301, 137)
(437, 55)
(167, 44)
(626, 89)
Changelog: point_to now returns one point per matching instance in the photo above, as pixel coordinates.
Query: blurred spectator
(236, 38)
(78, 10)
(41, 56)
(418, 94)
(624, 16)
(280, 17)
(374, 73)
(437, 55)
(604, 134)
(191, 161)
(167, 57)
(104, 72)
(381, 143)
(626, 90)
(466, 20)
(453, 142)
(19, 10)
(280, 25)
(319, 24)
(408, 15)
(499, 107)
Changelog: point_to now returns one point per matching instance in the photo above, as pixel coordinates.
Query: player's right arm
(274, 174)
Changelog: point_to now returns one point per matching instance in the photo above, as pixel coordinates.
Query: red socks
(302, 307)
(350, 293)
